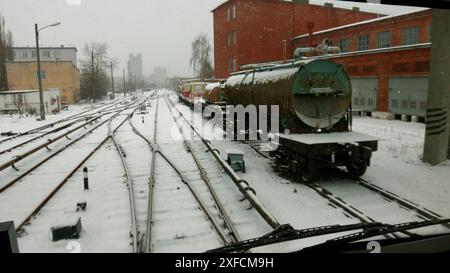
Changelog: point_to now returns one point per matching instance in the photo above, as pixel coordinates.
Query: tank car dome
(321, 93)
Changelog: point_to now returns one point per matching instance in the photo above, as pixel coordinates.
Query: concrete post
(436, 145)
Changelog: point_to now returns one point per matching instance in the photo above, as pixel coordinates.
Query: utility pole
(436, 147)
(112, 81)
(39, 75)
(124, 87)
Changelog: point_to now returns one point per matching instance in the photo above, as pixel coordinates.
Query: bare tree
(200, 59)
(94, 72)
(18, 102)
(6, 53)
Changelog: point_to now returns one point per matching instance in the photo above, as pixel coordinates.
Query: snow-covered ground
(178, 224)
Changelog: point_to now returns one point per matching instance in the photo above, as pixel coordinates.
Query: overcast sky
(161, 30)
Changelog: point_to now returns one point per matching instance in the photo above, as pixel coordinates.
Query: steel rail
(186, 181)
(51, 141)
(205, 178)
(242, 185)
(56, 122)
(74, 170)
(9, 184)
(129, 183)
(20, 157)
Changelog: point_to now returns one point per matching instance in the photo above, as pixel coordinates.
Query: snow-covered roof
(248, 67)
(211, 86)
(361, 23)
(370, 51)
(25, 91)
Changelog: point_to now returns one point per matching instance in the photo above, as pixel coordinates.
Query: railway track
(366, 202)
(193, 188)
(353, 201)
(79, 115)
(175, 181)
(66, 124)
(23, 200)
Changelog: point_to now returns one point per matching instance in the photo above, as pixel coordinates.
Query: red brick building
(387, 58)
(253, 31)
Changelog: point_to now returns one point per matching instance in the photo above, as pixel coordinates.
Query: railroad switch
(66, 232)
(81, 206)
(236, 160)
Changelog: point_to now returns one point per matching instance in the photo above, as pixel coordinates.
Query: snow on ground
(18, 124)
(397, 165)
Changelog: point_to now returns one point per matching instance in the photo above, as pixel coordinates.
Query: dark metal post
(436, 147)
(39, 75)
(112, 81)
(8, 239)
(85, 178)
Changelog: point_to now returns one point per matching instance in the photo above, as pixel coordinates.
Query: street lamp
(39, 74)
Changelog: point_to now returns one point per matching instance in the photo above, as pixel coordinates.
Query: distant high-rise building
(135, 67)
(160, 74)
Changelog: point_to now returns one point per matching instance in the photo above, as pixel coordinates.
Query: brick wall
(261, 27)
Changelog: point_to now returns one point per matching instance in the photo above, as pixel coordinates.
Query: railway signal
(85, 179)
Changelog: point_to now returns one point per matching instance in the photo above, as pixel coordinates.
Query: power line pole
(39, 75)
(436, 147)
(112, 81)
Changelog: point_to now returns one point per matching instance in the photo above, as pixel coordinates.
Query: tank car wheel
(357, 169)
(309, 172)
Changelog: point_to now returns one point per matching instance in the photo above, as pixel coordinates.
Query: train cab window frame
(411, 35)
(383, 39)
(363, 42)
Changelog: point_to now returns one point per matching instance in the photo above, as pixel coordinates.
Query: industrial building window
(57, 54)
(33, 54)
(234, 38)
(228, 14)
(46, 54)
(233, 12)
(230, 64)
(344, 44)
(234, 65)
(228, 39)
(363, 42)
(24, 54)
(383, 39)
(410, 35)
(43, 75)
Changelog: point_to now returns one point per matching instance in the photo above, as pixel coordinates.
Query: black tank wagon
(314, 100)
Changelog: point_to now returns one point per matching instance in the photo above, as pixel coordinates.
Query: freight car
(314, 100)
